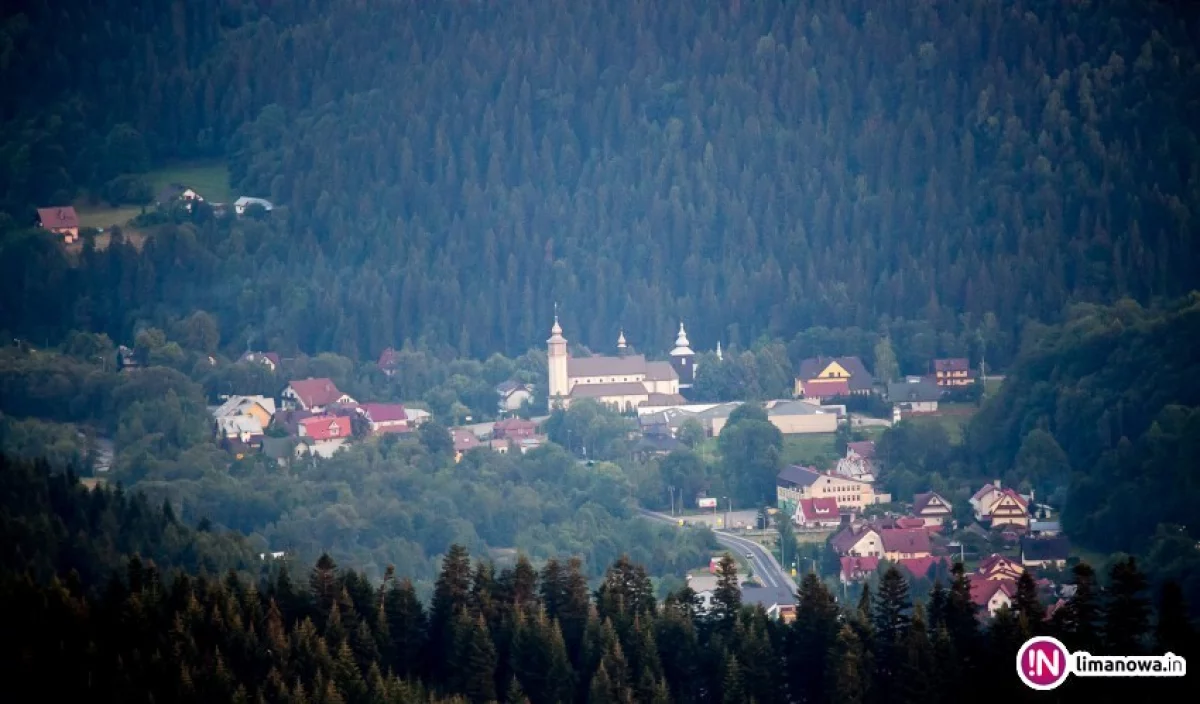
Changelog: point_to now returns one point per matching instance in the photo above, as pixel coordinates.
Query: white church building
(623, 382)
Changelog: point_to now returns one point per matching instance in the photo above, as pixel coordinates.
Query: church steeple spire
(720, 357)
(622, 348)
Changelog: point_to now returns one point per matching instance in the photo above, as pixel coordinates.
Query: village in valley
(850, 527)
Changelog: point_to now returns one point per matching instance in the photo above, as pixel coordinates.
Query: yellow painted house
(828, 376)
(260, 408)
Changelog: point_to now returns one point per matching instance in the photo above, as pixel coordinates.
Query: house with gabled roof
(464, 441)
(514, 428)
(991, 595)
(954, 371)
(385, 417)
(172, 192)
(997, 507)
(919, 567)
(824, 377)
(61, 220)
(932, 508)
(1045, 552)
(324, 435)
(863, 541)
(997, 566)
(904, 543)
(388, 359)
(915, 396)
(859, 462)
(260, 408)
(857, 569)
(512, 395)
(313, 394)
(795, 482)
(817, 513)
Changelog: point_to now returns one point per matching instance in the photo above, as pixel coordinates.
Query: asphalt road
(765, 566)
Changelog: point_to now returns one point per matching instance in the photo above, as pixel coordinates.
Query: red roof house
(514, 428)
(919, 567)
(817, 513)
(325, 428)
(992, 594)
(904, 543)
(388, 360)
(385, 417)
(823, 388)
(857, 569)
(863, 448)
(314, 394)
(62, 220)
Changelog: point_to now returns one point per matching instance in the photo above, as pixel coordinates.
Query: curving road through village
(766, 567)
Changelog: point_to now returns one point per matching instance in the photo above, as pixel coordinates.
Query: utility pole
(728, 508)
(672, 490)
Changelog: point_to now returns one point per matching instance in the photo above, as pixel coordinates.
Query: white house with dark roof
(623, 382)
(795, 483)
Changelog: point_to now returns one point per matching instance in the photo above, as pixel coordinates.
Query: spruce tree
(727, 596)
(809, 641)
(1174, 631)
(915, 673)
(1028, 605)
(451, 594)
(322, 583)
(733, 689)
(1077, 623)
(891, 614)
(407, 629)
(600, 689)
(1127, 611)
(574, 610)
(475, 660)
(850, 673)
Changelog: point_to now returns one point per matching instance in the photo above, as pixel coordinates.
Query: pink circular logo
(1043, 663)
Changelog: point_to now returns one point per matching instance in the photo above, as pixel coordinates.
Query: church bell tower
(683, 359)
(556, 363)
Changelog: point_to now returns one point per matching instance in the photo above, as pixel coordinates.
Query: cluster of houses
(834, 502)
(63, 220)
(317, 419)
(822, 378)
(315, 416)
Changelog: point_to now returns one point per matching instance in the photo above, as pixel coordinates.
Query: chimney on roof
(996, 483)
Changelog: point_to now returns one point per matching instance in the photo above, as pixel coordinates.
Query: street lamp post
(672, 490)
(728, 508)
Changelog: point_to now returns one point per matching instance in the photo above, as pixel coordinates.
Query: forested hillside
(452, 169)
(1102, 416)
(519, 634)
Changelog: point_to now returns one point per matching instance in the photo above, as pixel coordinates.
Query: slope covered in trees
(53, 526)
(523, 635)
(452, 169)
(1102, 416)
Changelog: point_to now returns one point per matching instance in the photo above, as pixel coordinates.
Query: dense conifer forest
(1015, 182)
(146, 632)
(941, 170)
